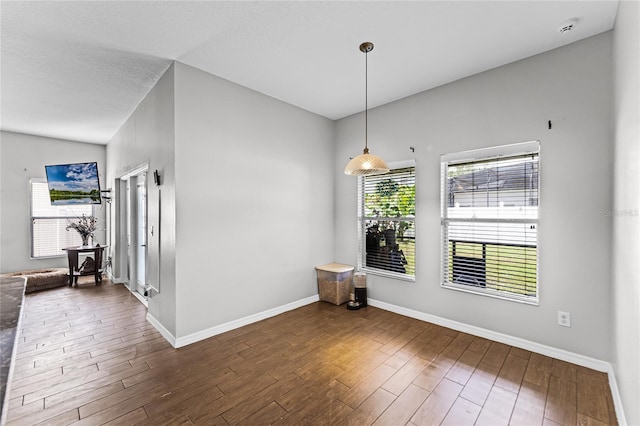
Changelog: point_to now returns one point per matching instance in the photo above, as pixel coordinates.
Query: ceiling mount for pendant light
(366, 164)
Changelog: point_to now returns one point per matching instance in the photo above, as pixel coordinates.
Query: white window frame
(530, 217)
(362, 231)
(65, 238)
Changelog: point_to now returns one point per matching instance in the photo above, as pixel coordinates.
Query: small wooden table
(74, 272)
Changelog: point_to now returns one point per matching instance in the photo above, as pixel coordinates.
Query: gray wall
(569, 86)
(148, 137)
(23, 157)
(247, 198)
(626, 209)
(254, 200)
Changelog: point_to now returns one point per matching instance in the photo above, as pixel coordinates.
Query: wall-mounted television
(76, 183)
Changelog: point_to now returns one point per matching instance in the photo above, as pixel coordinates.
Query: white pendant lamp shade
(366, 164)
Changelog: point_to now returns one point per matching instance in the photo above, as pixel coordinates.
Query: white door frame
(126, 229)
(141, 233)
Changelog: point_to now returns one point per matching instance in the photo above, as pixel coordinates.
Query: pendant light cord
(366, 100)
(366, 164)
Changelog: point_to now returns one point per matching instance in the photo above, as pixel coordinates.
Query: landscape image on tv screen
(73, 183)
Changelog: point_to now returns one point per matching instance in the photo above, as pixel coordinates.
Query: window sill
(53, 256)
(491, 293)
(388, 274)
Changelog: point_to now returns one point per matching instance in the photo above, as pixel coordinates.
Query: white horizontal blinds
(48, 223)
(387, 221)
(490, 224)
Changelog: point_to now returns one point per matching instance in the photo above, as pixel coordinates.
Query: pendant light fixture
(366, 164)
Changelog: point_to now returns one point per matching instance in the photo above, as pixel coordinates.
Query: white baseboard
(140, 298)
(561, 354)
(165, 333)
(231, 325)
(135, 294)
(617, 399)
(228, 326)
(115, 280)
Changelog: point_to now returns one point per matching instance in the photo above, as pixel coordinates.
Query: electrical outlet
(564, 319)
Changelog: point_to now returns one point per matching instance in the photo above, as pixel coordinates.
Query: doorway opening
(131, 231)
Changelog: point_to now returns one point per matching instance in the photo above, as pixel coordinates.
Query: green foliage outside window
(390, 200)
(389, 204)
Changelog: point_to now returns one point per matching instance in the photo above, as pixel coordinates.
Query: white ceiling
(77, 70)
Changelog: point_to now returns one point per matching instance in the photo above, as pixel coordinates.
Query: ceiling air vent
(567, 26)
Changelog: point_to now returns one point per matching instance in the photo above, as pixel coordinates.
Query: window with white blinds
(489, 221)
(386, 219)
(48, 223)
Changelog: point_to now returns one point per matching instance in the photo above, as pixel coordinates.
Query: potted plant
(86, 226)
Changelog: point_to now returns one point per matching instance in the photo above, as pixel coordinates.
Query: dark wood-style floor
(86, 355)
